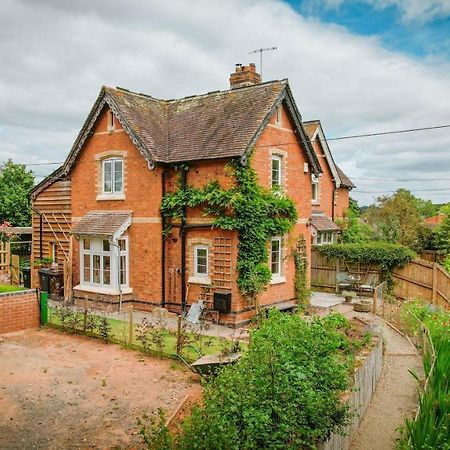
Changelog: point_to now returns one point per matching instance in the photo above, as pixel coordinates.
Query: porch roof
(109, 224)
(323, 223)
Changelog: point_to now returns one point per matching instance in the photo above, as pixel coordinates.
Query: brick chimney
(244, 76)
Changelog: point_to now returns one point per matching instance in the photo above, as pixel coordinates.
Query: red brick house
(107, 195)
(330, 190)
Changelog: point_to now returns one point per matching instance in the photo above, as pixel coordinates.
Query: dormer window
(110, 121)
(112, 170)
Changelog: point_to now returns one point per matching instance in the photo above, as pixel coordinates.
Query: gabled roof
(220, 124)
(314, 130)
(108, 224)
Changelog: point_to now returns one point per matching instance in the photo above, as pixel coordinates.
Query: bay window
(102, 263)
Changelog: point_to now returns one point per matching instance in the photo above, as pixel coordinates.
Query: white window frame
(314, 189)
(279, 271)
(112, 162)
(276, 183)
(198, 274)
(324, 238)
(96, 249)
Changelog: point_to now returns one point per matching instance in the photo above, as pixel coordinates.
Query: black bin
(222, 301)
(26, 276)
(52, 281)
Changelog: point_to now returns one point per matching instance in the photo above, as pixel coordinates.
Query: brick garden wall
(18, 311)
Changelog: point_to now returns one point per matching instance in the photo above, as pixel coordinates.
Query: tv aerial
(261, 51)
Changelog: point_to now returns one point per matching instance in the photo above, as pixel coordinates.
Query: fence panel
(4, 257)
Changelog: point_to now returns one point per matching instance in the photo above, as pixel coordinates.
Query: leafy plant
(284, 392)
(302, 292)
(104, 328)
(254, 212)
(387, 256)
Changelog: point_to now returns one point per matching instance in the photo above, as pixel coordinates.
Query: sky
(361, 67)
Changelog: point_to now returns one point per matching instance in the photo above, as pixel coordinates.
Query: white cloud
(56, 55)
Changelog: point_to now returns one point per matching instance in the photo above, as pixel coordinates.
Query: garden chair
(342, 281)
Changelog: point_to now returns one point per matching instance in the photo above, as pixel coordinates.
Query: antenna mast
(260, 51)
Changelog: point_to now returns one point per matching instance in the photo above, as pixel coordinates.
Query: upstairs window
(275, 257)
(276, 171)
(112, 170)
(314, 188)
(201, 261)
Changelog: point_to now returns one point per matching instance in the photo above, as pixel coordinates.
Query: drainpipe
(332, 203)
(183, 232)
(41, 224)
(163, 244)
(115, 244)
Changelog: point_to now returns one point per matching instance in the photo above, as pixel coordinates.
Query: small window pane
(107, 176)
(106, 245)
(123, 270)
(96, 268)
(123, 245)
(87, 268)
(118, 176)
(86, 244)
(106, 270)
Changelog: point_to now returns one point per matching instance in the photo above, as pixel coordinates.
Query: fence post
(375, 300)
(130, 324)
(338, 269)
(433, 284)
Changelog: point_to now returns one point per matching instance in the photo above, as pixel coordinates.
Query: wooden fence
(419, 278)
(5, 255)
(324, 271)
(423, 279)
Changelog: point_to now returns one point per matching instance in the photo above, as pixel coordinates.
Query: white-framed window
(112, 176)
(275, 256)
(314, 188)
(276, 171)
(201, 255)
(324, 238)
(103, 264)
(111, 124)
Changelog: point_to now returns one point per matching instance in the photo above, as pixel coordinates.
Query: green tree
(354, 229)
(15, 187)
(397, 219)
(442, 232)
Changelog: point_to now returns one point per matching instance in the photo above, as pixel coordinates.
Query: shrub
(284, 392)
(386, 256)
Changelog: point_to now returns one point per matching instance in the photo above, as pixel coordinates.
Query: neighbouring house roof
(17, 230)
(220, 124)
(434, 220)
(314, 130)
(345, 180)
(323, 223)
(108, 224)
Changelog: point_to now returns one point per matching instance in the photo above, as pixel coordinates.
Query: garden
(287, 390)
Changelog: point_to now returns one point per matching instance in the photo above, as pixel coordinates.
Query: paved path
(395, 397)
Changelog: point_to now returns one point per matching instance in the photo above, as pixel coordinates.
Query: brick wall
(18, 311)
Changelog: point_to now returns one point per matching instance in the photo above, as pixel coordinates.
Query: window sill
(278, 280)
(102, 197)
(315, 202)
(199, 280)
(102, 290)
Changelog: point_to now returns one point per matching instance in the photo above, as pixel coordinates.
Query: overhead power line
(413, 190)
(400, 179)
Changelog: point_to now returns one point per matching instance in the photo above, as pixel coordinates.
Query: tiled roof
(311, 127)
(214, 125)
(434, 220)
(323, 223)
(102, 223)
(345, 180)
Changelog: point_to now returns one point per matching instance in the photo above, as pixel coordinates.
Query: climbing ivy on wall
(254, 212)
(302, 292)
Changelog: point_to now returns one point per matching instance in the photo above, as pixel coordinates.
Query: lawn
(119, 332)
(8, 288)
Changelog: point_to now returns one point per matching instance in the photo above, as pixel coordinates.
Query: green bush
(386, 256)
(284, 393)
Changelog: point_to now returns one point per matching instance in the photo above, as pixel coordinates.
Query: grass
(120, 334)
(4, 288)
